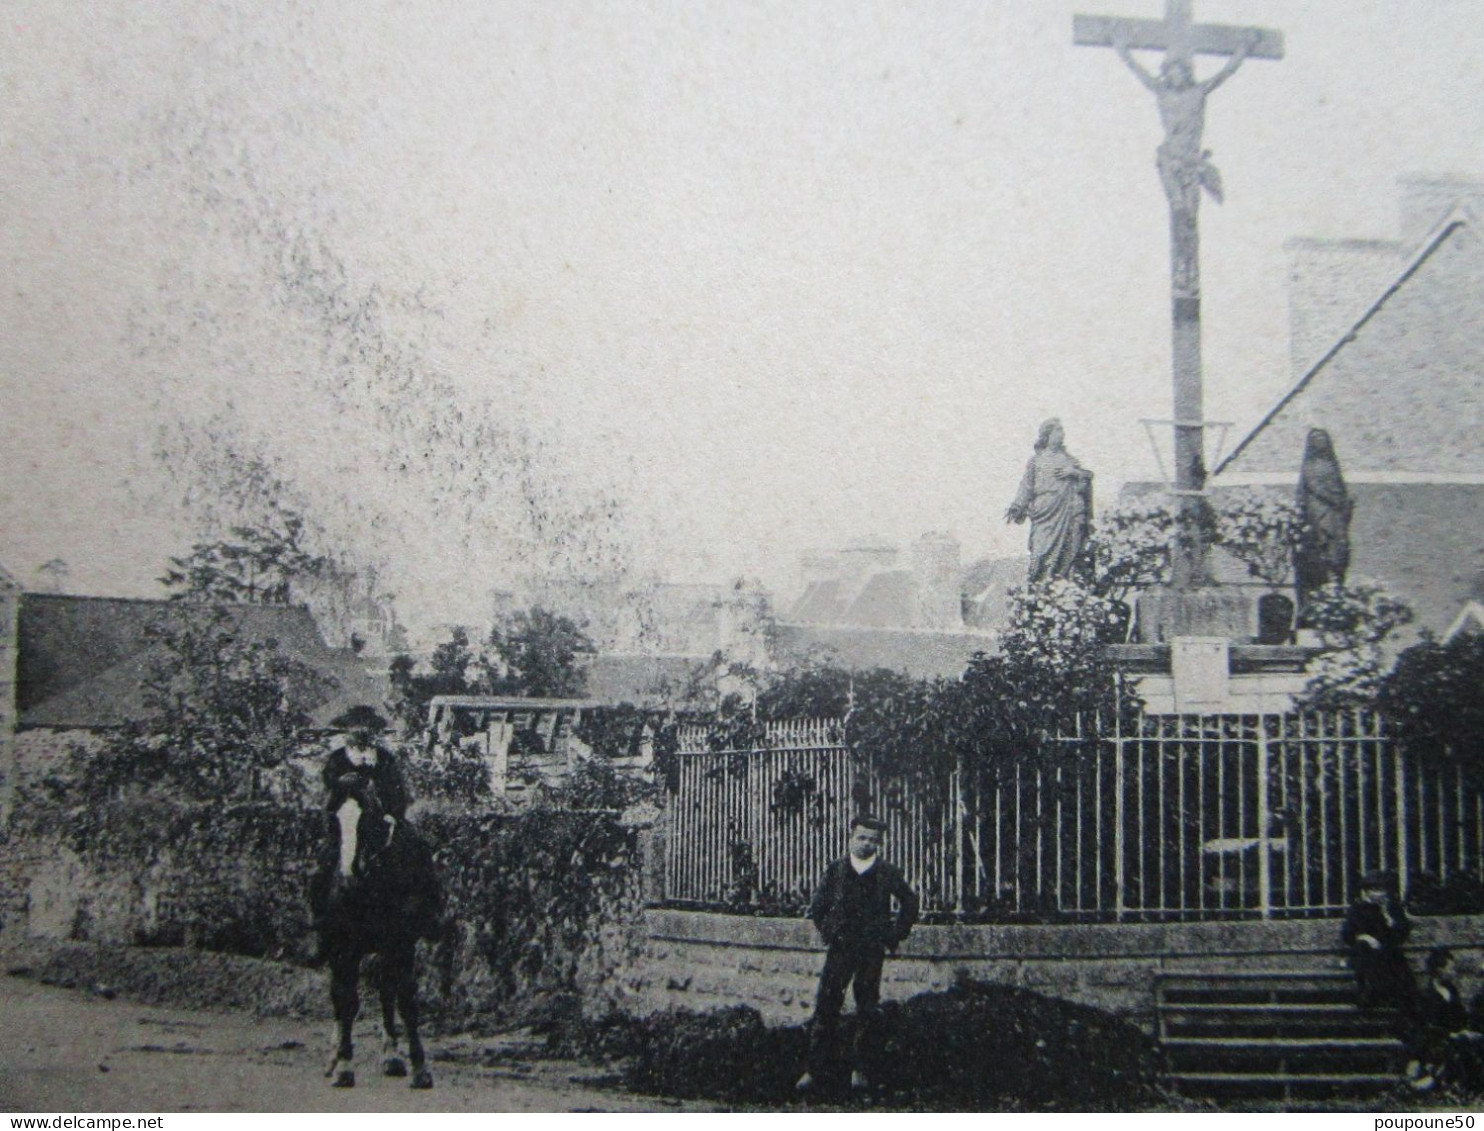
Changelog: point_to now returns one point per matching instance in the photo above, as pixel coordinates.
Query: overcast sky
(771, 275)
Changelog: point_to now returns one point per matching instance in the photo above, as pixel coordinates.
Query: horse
(382, 896)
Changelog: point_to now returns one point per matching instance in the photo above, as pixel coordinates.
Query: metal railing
(1176, 818)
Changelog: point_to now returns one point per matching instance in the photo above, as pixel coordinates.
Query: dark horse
(382, 896)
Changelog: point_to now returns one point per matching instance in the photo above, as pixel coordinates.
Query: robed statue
(1322, 555)
(1056, 495)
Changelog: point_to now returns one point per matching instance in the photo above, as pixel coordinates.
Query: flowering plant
(1130, 546)
(1054, 624)
(1352, 623)
(1260, 528)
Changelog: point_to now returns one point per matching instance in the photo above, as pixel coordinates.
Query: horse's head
(363, 828)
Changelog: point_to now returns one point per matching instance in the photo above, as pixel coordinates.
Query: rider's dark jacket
(386, 778)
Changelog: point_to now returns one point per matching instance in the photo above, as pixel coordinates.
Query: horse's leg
(402, 965)
(345, 973)
(392, 1063)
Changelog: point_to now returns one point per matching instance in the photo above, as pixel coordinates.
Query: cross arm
(1154, 35)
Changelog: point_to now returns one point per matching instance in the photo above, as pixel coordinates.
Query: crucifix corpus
(1185, 170)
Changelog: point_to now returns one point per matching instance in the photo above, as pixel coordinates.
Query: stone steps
(1285, 1035)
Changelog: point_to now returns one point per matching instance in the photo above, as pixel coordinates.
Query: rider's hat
(360, 717)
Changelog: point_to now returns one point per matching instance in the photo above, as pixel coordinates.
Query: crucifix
(1185, 171)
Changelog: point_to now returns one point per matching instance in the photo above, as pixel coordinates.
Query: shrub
(975, 1047)
(1353, 622)
(1261, 529)
(1432, 697)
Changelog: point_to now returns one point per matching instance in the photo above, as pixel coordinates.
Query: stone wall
(539, 905)
(1403, 394)
(9, 620)
(700, 961)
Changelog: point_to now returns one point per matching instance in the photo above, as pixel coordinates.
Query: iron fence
(1177, 817)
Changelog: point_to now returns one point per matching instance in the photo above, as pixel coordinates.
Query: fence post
(1118, 908)
(1402, 869)
(1264, 844)
(960, 832)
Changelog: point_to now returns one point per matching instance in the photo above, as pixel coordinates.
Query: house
(1388, 341)
(864, 606)
(77, 666)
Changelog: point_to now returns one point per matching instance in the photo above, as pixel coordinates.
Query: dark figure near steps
(1376, 926)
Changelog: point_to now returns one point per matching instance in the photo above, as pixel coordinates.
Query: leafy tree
(223, 713)
(255, 564)
(451, 660)
(412, 691)
(535, 653)
(1432, 697)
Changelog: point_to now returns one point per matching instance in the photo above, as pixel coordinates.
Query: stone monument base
(1216, 610)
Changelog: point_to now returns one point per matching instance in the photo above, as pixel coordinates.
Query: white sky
(781, 274)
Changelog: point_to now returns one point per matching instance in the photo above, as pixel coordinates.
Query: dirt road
(72, 1051)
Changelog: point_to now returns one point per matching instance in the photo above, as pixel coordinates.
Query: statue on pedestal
(1056, 495)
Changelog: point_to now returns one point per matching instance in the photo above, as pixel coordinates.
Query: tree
(254, 565)
(222, 712)
(412, 690)
(1432, 697)
(536, 653)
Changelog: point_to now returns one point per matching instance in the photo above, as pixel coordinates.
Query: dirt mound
(972, 1048)
(176, 977)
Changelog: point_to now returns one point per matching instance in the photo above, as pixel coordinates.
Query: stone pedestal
(1216, 610)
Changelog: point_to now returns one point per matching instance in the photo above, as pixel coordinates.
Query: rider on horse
(376, 892)
(360, 757)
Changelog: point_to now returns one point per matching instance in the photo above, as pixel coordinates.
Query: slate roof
(635, 678)
(920, 653)
(888, 599)
(82, 661)
(820, 604)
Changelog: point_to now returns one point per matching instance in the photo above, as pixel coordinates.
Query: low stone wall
(540, 906)
(700, 960)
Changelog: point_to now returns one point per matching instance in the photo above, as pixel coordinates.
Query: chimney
(936, 573)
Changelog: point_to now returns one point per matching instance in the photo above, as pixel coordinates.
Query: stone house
(1388, 350)
(75, 666)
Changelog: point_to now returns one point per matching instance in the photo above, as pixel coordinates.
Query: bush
(1432, 697)
(1462, 893)
(976, 1047)
(541, 904)
(1353, 622)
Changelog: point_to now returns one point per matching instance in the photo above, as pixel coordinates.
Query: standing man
(852, 908)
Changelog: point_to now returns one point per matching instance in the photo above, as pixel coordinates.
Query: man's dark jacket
(385, 775)
(1366, 918)
(853, 909)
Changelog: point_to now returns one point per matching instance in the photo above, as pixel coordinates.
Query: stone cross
(1185, 170)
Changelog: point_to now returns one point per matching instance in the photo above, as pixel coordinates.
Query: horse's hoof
(394, 1066)
(346, 1079)
(422, 1079)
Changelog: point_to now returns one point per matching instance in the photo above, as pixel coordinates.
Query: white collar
(863, 866)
